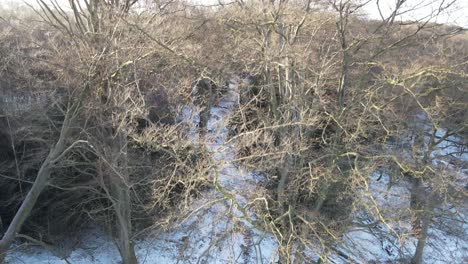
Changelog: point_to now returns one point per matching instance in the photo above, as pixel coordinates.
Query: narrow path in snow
(219, 233)
(215, 231)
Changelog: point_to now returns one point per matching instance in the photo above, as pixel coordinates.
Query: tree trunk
(416, 205)
(120, 190)
(421, 202)
(422, 237)
(322, 196)
(26, 207)
(38, 186)
(204, 95)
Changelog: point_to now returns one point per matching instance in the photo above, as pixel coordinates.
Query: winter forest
(233, 131)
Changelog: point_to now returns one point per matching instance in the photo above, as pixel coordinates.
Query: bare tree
(57, 152)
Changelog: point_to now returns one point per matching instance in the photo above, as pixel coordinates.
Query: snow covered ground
(215, 232)
(390, 242)
(219, 228)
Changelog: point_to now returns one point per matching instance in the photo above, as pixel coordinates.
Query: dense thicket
(336, 98)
